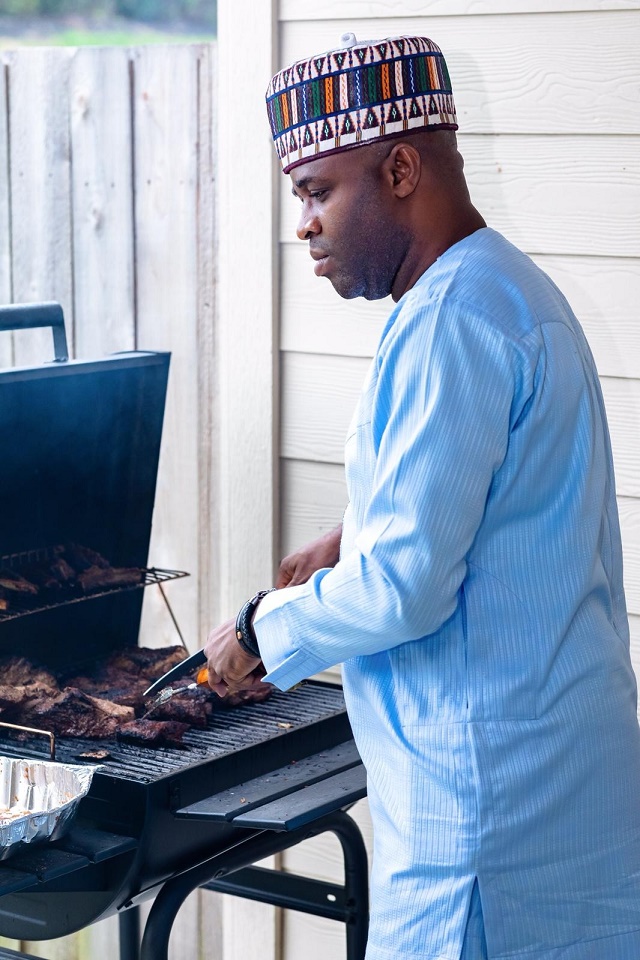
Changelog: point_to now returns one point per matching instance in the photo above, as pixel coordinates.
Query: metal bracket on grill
(44, 733)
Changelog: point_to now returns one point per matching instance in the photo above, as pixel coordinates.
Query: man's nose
(308, 225)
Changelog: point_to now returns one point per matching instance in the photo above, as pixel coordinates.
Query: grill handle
(44, 733)
(28, 316)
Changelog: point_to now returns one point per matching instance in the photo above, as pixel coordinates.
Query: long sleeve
(444, 392)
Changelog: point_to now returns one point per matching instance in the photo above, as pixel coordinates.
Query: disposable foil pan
(38, 800)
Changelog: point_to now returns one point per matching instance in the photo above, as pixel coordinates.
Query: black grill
(259, 777)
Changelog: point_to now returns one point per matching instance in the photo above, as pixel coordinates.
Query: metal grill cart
(79, 444)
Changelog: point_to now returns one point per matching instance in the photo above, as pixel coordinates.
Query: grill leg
(129, 923)
(257, 846)
(356, 884)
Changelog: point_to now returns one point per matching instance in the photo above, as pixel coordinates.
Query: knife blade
(185, 666)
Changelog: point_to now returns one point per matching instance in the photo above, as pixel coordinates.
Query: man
(474, 592)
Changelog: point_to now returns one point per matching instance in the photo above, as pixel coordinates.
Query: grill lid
(79, 445)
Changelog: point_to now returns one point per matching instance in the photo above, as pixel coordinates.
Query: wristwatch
(245, 633)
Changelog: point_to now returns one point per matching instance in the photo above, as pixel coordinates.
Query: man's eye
(317, 194)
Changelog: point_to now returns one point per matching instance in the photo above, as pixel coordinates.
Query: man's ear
(404, 168)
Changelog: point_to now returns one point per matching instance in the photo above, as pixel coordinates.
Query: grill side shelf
(290, 796)
(150, 576)
(49, 861)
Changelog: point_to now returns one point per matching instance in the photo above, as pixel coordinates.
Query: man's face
(347, 220)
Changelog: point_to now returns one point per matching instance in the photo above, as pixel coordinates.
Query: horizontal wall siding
(401, 10)
(549, 195)
(604, 293)
(519, 74)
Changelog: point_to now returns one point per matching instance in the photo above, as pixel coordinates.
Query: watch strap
(245, 634)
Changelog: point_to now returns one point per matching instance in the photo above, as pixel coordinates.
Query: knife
(185, 666)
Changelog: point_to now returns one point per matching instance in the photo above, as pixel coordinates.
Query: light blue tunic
(479, 611)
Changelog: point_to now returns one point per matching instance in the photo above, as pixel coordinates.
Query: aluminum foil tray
(38, 800)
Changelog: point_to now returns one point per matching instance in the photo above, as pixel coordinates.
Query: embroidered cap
(362, 91)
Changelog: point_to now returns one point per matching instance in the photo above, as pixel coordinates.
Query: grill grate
(19, 561)
(229, 730)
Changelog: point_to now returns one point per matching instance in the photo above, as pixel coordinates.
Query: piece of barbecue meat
(146, 662)
(72, 713)
(51, 575)
(256, 695)
(20, 672)
(16, 590)
(153, 733)
(101, 578)
(81, 558)
(193, 707)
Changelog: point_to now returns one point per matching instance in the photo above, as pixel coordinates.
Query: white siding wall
(548, 104)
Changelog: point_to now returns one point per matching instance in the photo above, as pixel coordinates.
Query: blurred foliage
(200, 12)
(20, 7)
(196, 11)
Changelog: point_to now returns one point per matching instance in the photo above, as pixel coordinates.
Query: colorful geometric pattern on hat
(357, 93)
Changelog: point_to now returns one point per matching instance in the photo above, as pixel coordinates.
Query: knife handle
(202, 676)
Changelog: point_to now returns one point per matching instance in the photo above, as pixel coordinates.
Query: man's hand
(230, 668)
(298, 566)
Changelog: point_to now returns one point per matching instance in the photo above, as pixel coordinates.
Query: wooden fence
(107, 206)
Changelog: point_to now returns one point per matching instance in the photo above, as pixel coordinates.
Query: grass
(78, 32)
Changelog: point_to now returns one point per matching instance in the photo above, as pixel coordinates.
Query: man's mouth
(320, 261)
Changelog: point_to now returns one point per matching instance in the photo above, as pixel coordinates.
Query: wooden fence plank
(549, 195)
(401, 10)
(208, 906)
(165, 144)
(102, 201)
(40, 190)
(527, 73)
(603, 292)
(100, 941)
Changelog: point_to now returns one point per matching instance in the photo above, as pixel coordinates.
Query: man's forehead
(322, 169)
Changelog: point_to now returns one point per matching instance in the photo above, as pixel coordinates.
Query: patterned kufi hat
(362, 91)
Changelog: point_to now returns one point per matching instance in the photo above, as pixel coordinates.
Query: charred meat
(107, 700)
(15, 589)
(61, 573)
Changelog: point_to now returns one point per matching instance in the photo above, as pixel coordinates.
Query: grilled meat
(101, 578)
(105, 702)
(153, 733)
(69, 570)
(50, 574)
(146, 662)
(81, 558)
(19, 672)
(15, 589)
(246, 696)
(193, 707)
(72, 713)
